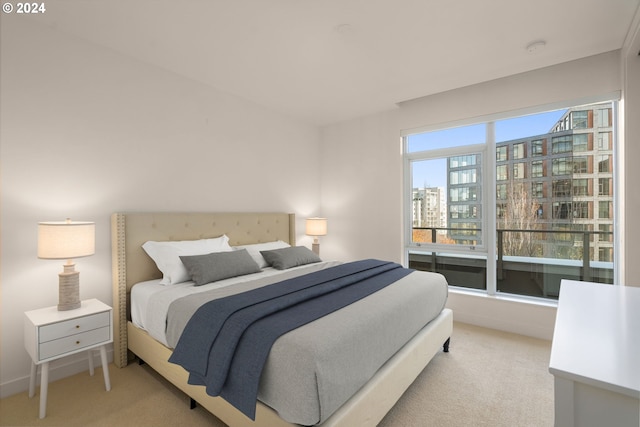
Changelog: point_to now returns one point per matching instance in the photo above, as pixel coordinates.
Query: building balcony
(536, 275)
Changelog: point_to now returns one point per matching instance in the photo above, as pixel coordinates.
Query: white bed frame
(131, 265)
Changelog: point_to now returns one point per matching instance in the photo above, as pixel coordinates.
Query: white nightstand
(50, 334)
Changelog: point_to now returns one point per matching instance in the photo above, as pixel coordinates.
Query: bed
(131, 265)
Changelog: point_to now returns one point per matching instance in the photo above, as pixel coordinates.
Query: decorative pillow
(166, 255)
(254, 250)
(284, 258)
(219, 265)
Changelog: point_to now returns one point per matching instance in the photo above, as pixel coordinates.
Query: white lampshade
(66, 239)
(316, 227)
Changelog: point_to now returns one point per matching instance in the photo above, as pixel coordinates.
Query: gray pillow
(284, 258)
(219, 265)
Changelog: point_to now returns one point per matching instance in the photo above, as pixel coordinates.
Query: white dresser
(595, 355)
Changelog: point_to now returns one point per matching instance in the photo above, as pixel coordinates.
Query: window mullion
(489, 189)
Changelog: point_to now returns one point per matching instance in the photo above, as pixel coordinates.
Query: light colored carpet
(489, 378)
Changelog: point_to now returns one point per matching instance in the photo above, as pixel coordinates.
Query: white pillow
(166, 255)
(254, 250)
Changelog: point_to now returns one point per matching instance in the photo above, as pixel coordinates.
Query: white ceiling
(324, 61)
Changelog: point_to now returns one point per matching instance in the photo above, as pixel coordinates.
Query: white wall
(374, 199)
(86, 132)
(361, 189)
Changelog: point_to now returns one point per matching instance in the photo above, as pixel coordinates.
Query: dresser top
(596, 339)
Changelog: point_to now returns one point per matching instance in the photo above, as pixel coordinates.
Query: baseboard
(58, 369)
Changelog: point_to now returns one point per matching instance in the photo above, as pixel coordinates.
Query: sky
(432, 173)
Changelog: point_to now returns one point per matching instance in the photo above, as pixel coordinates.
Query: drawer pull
(77, 326)
(77, 342)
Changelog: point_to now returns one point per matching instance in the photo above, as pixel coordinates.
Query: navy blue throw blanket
(225, 344)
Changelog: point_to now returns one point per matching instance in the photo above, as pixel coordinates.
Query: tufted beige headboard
(130, 264)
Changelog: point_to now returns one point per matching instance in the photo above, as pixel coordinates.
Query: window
(561, 166)
(604, 140)
(463, 177)
(605, 254)
(449, 184)
(463, 194)
(537, 169)
(580, 209)
(604, 186)
(547, 206)
(606, 233)
(581, 187)
(518, 170)
(446, 138)
(561, 144)
(461, 161)
(537, 189)
(579, 119)
(537, 147)
(561, 210)
(604, 117)
(603, 163)
(604, 209)
(501, 173)
(501, 153)
(463, 211)
(562, 188)
(580, 142)
(580, 164)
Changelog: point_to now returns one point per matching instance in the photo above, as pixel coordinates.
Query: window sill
(523, 299)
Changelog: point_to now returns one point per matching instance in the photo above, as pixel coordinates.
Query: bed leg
(192, 403)
(445, 346)
(141, 362)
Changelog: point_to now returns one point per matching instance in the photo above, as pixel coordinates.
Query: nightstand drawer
(73, 327)
(73, 342)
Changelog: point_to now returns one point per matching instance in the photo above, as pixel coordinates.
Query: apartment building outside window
(562, 144)
(561, 188)
(537, 169)
(501, 191)
(603, 163)
(501, 173)
(580, 164)
(604, 141)
(537, 147)
(579, 119)
(562, 166)
(518, 171)
(554, 200)
(537, 190)
(580, 142)
(604, 186)
(580, 187)
(501, 154)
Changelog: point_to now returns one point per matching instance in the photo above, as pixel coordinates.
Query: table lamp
(316, 227)
(66, 240)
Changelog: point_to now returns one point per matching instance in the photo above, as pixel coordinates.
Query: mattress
(314, 369)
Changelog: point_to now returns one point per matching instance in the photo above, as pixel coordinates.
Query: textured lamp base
(69, 288)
